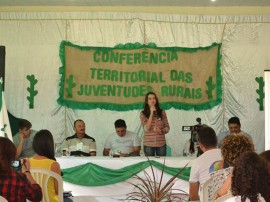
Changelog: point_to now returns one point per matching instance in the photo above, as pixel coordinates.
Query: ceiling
(178, 3)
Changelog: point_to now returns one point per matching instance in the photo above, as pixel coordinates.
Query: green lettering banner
(118, 78)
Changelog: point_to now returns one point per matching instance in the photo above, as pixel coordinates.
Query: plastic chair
(42, 177)
(205, 191)
(211, 186)
(2, 199)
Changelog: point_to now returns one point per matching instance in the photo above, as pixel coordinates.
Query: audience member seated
(16, 187)
(232, 147)
(122, 141)
(266, 156)
(250, 179)
(80, 144)
(203, 165)
(23, 139)
(43, 146)
(234, 128)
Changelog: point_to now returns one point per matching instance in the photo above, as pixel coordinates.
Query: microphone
(154, 112)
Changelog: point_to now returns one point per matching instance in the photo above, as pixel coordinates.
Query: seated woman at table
(43, 146)
(250, 179)
(155, 124)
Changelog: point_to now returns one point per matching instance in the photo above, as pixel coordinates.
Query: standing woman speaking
(155, 124)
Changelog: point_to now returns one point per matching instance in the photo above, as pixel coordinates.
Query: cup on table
(111, 152)
(58, 151)
(65, 152)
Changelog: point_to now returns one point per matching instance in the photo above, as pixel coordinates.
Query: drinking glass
(111, 153)
(67, 153)
(58, 151)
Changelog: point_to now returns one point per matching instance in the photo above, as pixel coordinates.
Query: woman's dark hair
(146, 107)
(266, 155)
(7, 154)
(251, 177)
(194, 138)
(43, 144)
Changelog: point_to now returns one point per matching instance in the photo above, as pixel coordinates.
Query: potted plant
(150, 189)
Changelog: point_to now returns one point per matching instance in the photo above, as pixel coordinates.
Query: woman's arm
(225, 187)
(32, 190)
(55, 167)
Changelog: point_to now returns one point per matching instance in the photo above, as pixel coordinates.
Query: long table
(120, 188)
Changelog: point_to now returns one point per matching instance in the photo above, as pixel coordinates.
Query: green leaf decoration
(260, 92)
(71, 85)
(31, 89)
(210, 89)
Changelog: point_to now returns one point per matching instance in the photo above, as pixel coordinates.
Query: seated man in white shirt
(80, 144)
(122, 142)
(201, 166)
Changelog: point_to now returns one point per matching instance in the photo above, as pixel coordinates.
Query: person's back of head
(23, 123)
(43, 144)
(7, 154)
(251, 177)
(207, 137)
(120, 124)
(233, 146)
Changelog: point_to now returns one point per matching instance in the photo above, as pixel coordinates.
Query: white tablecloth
(121, 188)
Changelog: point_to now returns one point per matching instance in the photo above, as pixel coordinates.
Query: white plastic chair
(211, 186)
(42, 177)
(2, 199)
(205, 191)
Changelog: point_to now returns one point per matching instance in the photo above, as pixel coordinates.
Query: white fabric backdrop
(32, 47)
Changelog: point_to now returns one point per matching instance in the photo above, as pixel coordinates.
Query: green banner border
(122, 107)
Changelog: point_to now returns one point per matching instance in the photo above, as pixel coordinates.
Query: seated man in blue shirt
(234, 128)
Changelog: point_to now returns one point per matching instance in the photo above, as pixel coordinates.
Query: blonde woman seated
(43, 146)
(250, 179)
(232, 147)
